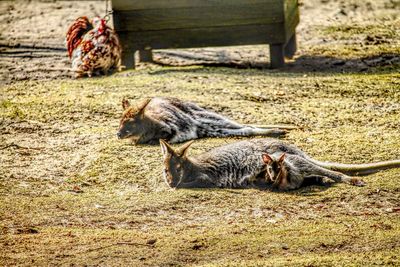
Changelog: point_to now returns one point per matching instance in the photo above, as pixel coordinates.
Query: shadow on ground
(305, 63)
(49, 62)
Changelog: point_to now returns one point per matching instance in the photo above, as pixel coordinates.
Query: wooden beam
(291, 47)
(170, 4)
(198, 17)
(277, 58)
(203, 37)
(128, 58)
(146, 55)
(292, 18)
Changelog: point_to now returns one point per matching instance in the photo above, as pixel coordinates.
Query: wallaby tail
(358, 169)
(274, 126)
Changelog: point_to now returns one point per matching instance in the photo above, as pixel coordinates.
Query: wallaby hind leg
(336, 176)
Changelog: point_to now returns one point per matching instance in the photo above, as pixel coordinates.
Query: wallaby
(235, 165)
(177, 121)
(290, 171)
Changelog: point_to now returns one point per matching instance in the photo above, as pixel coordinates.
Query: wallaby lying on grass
(288, 171)
(176, 121)
(233, 166)
(237, 165)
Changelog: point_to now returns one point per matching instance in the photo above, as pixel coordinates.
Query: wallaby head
(275, 167)
(132, 121)
(176, 164)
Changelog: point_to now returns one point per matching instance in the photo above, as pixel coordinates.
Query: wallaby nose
(119, 135)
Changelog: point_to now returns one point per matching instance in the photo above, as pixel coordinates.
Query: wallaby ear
(166, 148)
(142, 104)
(282, 158)
(125, 104)
(267, 158)
(183, 149)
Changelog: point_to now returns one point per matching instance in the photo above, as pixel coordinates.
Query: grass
(359, 40)
(71, 193)
(94, 199)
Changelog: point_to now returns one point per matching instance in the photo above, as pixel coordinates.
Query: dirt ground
(71, 194)
(32, 39)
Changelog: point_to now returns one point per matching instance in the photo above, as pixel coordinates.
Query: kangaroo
(177, 121)
(235, 165)
(288, 171)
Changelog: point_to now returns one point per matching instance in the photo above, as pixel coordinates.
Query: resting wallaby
(288, 171)
(235, 165)
(176, 121)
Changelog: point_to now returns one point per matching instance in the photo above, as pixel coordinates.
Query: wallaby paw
(357, 182)
(280, 188)
(279, 132)
(284, 189)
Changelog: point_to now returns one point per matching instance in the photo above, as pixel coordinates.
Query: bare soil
(72, 194)
(32, 39)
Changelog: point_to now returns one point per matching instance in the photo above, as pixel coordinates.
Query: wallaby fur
(177, 121)
(239, 164)
(288, 172)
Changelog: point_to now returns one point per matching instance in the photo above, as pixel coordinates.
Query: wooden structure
(143, 25)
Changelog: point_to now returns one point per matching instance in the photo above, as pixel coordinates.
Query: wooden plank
(289, 6)
(291, 22)
(203, 37)
(291, 47)
(121, 5)
(199, 17)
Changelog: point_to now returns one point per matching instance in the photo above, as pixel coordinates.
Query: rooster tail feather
(75, 33)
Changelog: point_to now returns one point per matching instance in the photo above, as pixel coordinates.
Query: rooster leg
(79, 75)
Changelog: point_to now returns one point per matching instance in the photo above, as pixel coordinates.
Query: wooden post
(146, 55)
(276, 52)
(291, 47)
(128, 59)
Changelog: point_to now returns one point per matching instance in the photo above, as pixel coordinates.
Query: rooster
(93, 47)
